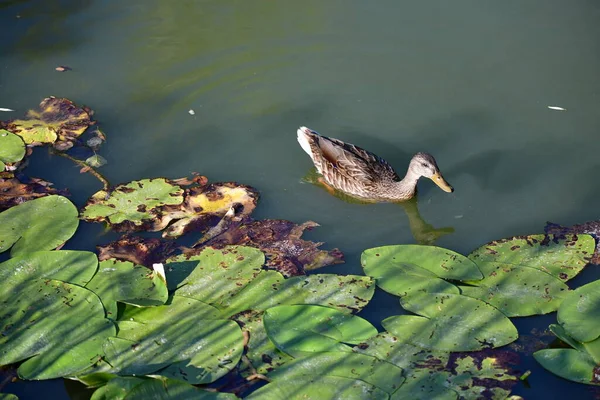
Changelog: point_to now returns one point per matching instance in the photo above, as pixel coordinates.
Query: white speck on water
(557, 108)
(192, 112)
(5, 109)
(458, 216)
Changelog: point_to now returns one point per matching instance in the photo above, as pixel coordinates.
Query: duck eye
(424, 164)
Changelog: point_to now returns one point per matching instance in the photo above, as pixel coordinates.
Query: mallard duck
(362, 174)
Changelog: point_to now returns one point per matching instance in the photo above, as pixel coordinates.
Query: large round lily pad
(53, 322)
(323, 388)
(569, 364)
(381, 374)
(562, 256)
(442, 262)
(452, 323)
(41, 224)
(128, 283)
(579, 313)
(517, 290)
(298, 329)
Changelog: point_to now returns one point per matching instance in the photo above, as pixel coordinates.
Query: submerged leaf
(96, 161)
(58, 121)
(128, 283)
(281, 241)
(138, 250)
(562, 256)
(298, 329)
(40, 224)
(14, 192)
(517, 290)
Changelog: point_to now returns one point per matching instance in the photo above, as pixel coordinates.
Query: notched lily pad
(517, 290)
(58, 121)
(281, 242)
(562, 256)
(14, 191)
(41, 224)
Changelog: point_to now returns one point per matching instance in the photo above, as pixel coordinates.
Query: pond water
(469, 82)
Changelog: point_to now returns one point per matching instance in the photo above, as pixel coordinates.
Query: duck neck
(406, 188)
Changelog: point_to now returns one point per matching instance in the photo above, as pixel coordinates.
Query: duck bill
(439, 180)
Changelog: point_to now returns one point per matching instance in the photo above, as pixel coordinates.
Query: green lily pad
(517, 290)
(71, 266)
(381, 374)
(52, 321)
(444, 263)
(452, 323)
(215, 275)
(570, 364)
(421, 384)
(41, 224)
(133, 388)
(12, 148)
(127, 283)
(579, 313)
(57, 120)
(8, 396)
(560, 333)
(402, 278)
(132, 203)
(262, 353)
(306, 328)
(177, 307)
(321, 388)
(562, 256)
(346, 293)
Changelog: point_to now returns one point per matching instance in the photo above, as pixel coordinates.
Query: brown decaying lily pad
(14, 192)
(591, 228)
(281, 242)
(58, 121)
(140, 251)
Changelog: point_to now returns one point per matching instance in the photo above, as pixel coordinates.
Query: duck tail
(305, 136)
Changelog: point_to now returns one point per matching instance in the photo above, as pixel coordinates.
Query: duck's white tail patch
(303, 139)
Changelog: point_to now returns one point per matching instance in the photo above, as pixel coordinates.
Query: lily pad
(71, 266)
(12, 148)
(53, 322)
(444, 263)
(298, 329)
(132, 388)
(96, 161)
(132, 204)
(281, 242)
(262, 353)
(402, 278)
(562, 256)
(176, 308)
(214, 275)
(321, 388)
(381, 374)
(346, 293)
(517, 290)
(579, 314)
(128, 283)
(8, 396)
(569, 364)
(40, 224)
(58, 121)
(452, 323)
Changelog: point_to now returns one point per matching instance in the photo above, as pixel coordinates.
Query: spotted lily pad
(298, 329)
(58, 324)
(451, 322)
(132, 204)
(58, 121)
(562, 256)
(40, 224)
(322, 388)
(381, 374)
(127, 283)
(12, 148)
(444, 263)
(517, 290)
